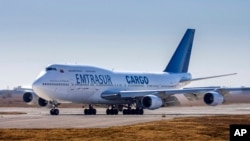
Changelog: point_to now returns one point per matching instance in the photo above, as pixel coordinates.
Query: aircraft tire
(124, 112)
(108, 112)
(54, 112)
(112, 112)
(141, 111)
(116, 111)
(94, 111)
(86, 111)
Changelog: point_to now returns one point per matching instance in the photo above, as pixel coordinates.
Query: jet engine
(43, 102)
(151, 102)
(32, 99)
(213, 98)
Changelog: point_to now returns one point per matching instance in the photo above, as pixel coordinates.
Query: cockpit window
(50, 69)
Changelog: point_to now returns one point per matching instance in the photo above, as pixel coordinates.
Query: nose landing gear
(54, 110)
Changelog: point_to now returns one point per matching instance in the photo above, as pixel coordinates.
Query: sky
(126, 35)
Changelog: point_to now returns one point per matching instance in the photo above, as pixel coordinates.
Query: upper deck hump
(77, 68)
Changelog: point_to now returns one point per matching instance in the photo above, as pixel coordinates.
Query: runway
(74, 118)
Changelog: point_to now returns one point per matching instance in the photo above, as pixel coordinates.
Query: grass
(12, 113)
(179, 129)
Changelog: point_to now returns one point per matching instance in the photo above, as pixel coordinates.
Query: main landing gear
(90, 111)
(129, 111)
(112, 111)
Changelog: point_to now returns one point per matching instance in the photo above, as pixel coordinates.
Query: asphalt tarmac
(74, 118)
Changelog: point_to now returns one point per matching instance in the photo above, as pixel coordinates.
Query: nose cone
(37, 86)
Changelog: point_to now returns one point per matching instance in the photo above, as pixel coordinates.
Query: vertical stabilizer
(180, 60)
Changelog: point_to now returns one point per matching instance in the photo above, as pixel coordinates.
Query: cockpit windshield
(51, 69)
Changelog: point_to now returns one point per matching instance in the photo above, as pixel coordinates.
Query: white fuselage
(85, 84)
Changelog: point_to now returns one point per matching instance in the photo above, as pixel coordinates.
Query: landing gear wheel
(108, 112)
(141, 112)
(112, 111)
(116, 111)
(133, 112)
(94, 111)
(90, 111)
(86, 111)
(125, 112)
(54, 112)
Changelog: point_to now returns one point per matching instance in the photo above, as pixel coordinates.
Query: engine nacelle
(213, 98)
(43, 102)
(151, 102)
(32, 99)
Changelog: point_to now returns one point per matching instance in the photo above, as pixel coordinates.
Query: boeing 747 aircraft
(127, 92)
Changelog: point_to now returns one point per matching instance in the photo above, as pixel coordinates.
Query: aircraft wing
(113, 95)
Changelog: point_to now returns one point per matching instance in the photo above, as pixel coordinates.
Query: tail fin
(180, 60)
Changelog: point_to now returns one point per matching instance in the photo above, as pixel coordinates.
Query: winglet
(180, 60)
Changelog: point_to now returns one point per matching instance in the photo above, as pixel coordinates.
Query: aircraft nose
(37, 84)
(39, 87)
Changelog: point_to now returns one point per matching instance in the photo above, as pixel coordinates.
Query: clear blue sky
(128, 35)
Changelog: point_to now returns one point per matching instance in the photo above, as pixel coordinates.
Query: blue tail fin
(180, 60)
